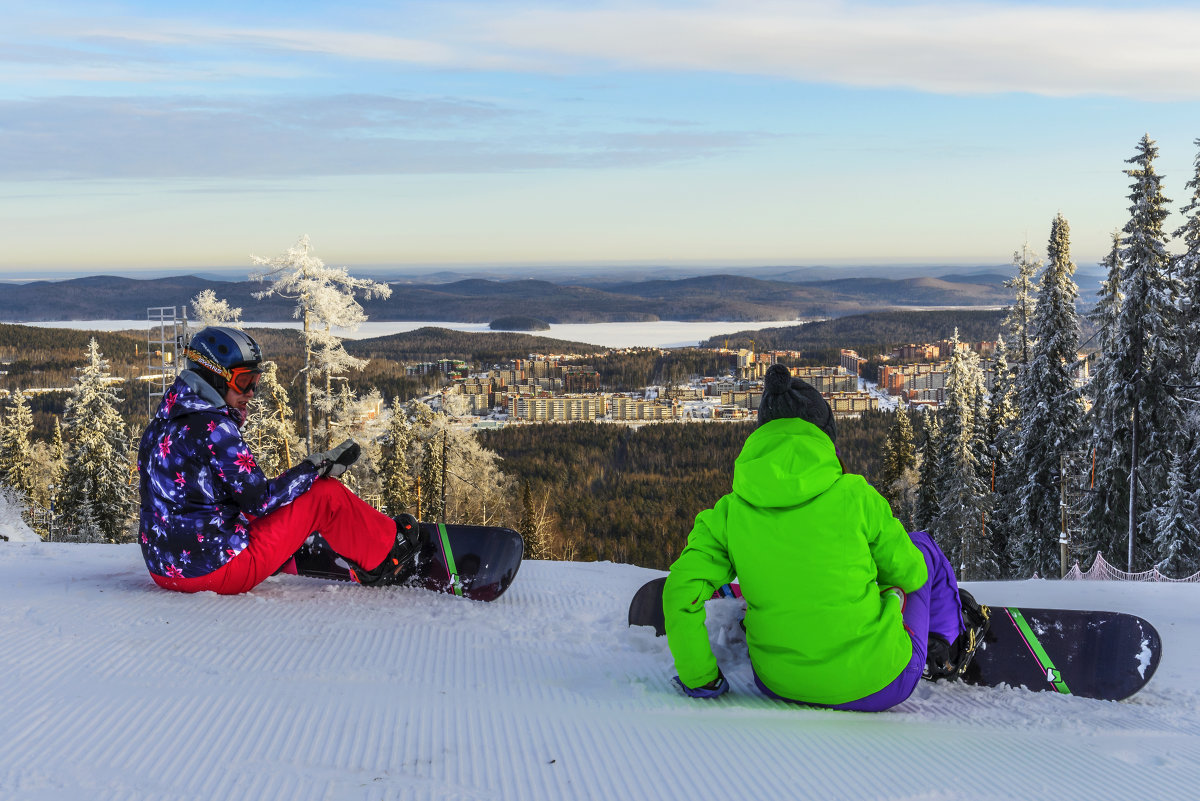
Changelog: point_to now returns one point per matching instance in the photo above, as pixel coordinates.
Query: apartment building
(562, 408)
(627, 408)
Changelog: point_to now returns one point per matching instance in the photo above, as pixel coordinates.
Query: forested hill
(714, 297)
(872, 333)
(433, 343)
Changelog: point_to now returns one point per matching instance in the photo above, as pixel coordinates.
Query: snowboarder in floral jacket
(842, 603)
(210, 518)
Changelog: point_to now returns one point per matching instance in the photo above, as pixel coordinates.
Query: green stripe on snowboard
(451, 568)
(1039, 653)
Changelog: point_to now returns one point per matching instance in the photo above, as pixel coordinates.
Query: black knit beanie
(784, 396)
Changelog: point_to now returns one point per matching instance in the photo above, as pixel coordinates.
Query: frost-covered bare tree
(207, 310)
(325, 298)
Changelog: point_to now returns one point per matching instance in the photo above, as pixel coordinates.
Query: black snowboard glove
(337, 460)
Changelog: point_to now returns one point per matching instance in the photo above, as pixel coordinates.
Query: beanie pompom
(777, 380)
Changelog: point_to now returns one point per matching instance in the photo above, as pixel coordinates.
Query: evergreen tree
(16, 453)
(270, 431)
(1187, 271)
(1176, 522)
(1001, 439)
(930, 472)
(1143, 368)
(1051, 412)
(433, 447)
(97, 498)
(1106, 504)
(961, 525)
(398, 489)
(1020, 313)
(899, 460)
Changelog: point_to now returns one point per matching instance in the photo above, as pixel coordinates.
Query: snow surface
(113, 689)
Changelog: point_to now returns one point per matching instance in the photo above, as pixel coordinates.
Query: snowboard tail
(476, 562)
(646, 608)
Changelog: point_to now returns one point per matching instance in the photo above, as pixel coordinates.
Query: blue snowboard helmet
(225, 357)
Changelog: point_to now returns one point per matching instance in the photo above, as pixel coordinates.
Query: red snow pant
(351, 526)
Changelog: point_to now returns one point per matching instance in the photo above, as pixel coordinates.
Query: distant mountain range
(476, 300)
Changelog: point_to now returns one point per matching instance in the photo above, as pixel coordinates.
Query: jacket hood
(785, 462)
(191, 393)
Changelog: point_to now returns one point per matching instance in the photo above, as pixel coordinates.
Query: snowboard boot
(947, 660)
(400, 563)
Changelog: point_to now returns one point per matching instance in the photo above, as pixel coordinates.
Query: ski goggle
(244, 379)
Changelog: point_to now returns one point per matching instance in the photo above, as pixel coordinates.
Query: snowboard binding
(950, 660)
(400, 563)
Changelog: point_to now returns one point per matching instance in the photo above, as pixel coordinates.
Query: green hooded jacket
(812, 548)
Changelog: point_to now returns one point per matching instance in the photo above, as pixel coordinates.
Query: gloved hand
(337, 460)
(716, 687)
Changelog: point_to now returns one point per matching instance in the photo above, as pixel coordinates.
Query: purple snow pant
(932, 609)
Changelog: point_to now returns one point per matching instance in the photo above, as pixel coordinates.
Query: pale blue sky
(152, 134)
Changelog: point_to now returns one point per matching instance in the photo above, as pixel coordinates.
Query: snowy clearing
(304, 689)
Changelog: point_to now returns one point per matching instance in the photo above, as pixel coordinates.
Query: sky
(138, 135)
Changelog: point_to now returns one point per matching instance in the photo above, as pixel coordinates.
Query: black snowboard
(1107, 655)
(477, 562)
(646, 608)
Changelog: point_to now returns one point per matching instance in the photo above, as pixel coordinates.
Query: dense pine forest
(630, 494)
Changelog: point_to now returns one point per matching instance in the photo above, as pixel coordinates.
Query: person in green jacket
(841, 602)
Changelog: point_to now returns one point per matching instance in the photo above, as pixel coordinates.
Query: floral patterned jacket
(200, 486)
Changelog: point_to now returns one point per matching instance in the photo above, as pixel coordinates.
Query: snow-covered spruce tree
(270, 430)
(1051, 412)
(1187, 271)
(1001, 440)
(929, 472)
(325, 297)
(537, 527)
(208, 310)
(1143, 365)
(963, 500)
(1107, 424)
(1020, 314)
(97, 497)
(397, 485)
(365, 420)
(16, 451)
(899, 459)
(1176, 522)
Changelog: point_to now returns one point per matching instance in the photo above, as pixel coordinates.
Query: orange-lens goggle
(244, 379)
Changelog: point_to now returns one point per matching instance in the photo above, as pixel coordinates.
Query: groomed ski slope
(304, 689)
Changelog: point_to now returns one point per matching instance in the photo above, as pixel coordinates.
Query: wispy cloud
(1145, 51)
(89, 137)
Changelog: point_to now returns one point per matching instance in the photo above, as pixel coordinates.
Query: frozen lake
(662, 334)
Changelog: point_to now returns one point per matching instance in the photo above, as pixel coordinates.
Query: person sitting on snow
(843, 606)
(210, 519)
